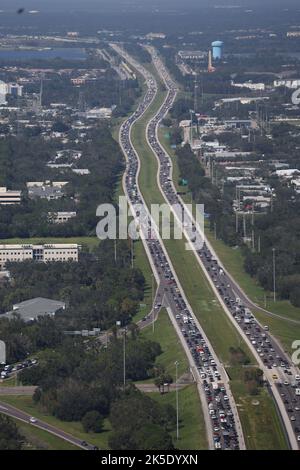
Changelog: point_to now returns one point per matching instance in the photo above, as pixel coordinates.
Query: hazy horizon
(88, 5)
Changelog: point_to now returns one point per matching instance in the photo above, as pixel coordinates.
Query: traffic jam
(222, 419)
(285, 376)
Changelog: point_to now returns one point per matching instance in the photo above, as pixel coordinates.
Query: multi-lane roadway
(282, 376)
(222, 422)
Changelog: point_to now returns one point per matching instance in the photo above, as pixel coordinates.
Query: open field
(166, 336)
(75, 428)
(38, 439)
(192, 435)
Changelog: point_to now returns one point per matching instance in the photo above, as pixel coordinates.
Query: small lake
(47, 54)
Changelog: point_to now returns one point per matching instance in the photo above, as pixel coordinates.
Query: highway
(282, 376)
(21, 416)
(222, 422)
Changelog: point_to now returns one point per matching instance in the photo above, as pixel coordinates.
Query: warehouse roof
(33, 308)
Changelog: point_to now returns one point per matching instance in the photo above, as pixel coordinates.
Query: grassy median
(222, 334)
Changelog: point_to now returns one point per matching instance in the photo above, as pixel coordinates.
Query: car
(84, 444)
(32, 420)
(298, 438)
(293, 418)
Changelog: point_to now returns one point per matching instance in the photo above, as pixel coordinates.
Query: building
(15, 90)
(46, 190)
(192, 55)
(40, 253)
(9, 196)
(99, 113)
(289, 83)
(250, 86)
(31, 309)
(61, 217)
(217, 50)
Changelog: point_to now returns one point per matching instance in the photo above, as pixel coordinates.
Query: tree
(92, 422)
(10, 438)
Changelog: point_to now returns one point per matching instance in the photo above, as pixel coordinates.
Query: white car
(32, 420)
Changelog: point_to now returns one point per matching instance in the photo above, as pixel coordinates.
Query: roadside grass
(38, 439)
(217, 326)
(172, 350)
(192, 433)
(215, 323)
(258, 416)
(27, 405)
(232, 258)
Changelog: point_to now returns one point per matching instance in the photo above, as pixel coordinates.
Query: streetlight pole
(274, 274)
(124, 358)
(177, 407)
(153, 310)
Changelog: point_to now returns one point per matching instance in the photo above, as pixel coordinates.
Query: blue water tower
(217, 49)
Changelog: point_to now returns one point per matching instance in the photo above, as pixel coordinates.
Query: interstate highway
(222, 422)
(282, 376)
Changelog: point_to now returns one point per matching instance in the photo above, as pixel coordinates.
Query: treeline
(279, 228)
(137, 51)
(82, 381)
(20, 162)
(98, 290)
(10, 438)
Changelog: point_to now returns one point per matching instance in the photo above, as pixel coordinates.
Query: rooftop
(30, 310)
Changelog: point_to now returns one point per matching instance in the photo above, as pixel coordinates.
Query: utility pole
(153, 310)
(274, 274)
(132, 255)
(236, 221)
(116, 251)
(244, 223)
(124, 358)
(253, 241)
(177, 403)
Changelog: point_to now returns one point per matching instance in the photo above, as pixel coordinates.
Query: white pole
(177, 404)
(274, 274)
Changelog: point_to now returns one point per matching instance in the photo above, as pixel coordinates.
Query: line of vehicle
(209, 261)
(176, 301)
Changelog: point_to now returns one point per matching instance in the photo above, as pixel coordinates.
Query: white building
(61, 217)
(250, 86)
(290, 83)
(9, 196)
(40, 253)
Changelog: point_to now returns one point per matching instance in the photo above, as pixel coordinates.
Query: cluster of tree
(204, 192)
(139, 52)
(20, 163)
(279, 229)
(105, 91)
(10, 438)
(82, 381)
(97, 291)
(253, 379)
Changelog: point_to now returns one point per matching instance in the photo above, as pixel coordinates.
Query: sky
(89, 5)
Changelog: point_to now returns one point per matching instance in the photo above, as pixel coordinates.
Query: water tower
(217, 49)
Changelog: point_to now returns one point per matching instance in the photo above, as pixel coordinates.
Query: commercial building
(40, 253)
(250, 86)
(31, 309)
(289, 83)
(192, 55)
(61, 217)
(46, 190)
(9, 196)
